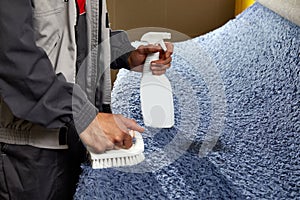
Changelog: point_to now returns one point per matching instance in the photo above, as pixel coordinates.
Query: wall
(190, 17)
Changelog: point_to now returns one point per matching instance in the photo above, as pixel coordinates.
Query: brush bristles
(117, 162)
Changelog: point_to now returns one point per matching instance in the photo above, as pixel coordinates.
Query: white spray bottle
(156, 91)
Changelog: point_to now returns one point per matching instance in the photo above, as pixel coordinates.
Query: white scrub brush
(120, 157)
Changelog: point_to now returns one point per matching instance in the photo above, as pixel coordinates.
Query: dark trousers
(33, 173)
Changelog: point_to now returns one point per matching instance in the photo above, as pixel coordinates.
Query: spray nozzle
(156, 38)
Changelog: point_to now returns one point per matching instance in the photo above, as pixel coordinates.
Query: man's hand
(109, 131)
(137, 58)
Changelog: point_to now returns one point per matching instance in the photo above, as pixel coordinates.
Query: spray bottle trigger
(163, 45)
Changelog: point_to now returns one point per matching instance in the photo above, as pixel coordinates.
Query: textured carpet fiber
(237, 119)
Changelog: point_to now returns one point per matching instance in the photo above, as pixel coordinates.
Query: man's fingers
(170, 49)
(162, 62)
(131, 124)
(149, 49)
(158, 73)
(96, 141)
(119, 122)
(160, 67)
(127, 142)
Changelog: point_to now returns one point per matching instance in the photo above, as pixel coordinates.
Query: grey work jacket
(40, 90)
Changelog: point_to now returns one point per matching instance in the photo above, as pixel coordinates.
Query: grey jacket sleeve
(28, 83)
(120, 49)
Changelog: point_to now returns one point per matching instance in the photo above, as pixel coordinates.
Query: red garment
(81, 6)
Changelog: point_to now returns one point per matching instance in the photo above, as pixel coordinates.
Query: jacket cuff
(84, 117)
(121, 49)
(121, 62)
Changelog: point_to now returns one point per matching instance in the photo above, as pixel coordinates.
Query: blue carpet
(237, 119)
